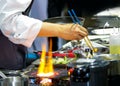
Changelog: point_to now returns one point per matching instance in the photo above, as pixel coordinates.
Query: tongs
(76, 20)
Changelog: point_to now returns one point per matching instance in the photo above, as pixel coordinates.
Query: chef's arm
(66, 31)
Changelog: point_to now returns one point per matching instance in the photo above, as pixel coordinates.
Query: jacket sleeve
(19, 29)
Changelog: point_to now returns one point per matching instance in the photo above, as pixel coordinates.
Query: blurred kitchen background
(91, 10)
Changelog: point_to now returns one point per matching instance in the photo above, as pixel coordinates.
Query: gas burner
(60, 77)
(57, 74)
(48, 75)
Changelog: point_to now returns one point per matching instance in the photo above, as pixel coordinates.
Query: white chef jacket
(20, 29)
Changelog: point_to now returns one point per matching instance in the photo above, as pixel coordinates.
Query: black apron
(12, 56)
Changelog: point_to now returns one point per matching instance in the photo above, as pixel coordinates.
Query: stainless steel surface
(14, 81)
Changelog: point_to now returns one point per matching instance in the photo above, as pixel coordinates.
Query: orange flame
(45, 68)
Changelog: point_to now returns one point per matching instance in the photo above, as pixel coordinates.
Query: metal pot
(114, 68)
(89, 72)
(14, 81)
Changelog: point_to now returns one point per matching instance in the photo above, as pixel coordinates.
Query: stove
(59, 79)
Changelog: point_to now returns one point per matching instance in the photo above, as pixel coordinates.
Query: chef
(18, 31)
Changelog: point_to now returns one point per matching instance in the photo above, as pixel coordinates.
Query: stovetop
(62, 79)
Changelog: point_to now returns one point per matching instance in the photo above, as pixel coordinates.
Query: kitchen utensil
(77, 21)
(3, 75)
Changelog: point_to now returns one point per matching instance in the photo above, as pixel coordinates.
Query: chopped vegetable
(64, 60)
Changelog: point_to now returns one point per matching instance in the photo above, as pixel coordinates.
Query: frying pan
(63, 19)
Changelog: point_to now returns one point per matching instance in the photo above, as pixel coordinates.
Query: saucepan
(13, 80)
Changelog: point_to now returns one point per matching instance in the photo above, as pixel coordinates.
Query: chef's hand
(73, 32)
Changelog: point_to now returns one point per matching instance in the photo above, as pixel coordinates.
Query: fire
(46, 82)
(45, 68)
